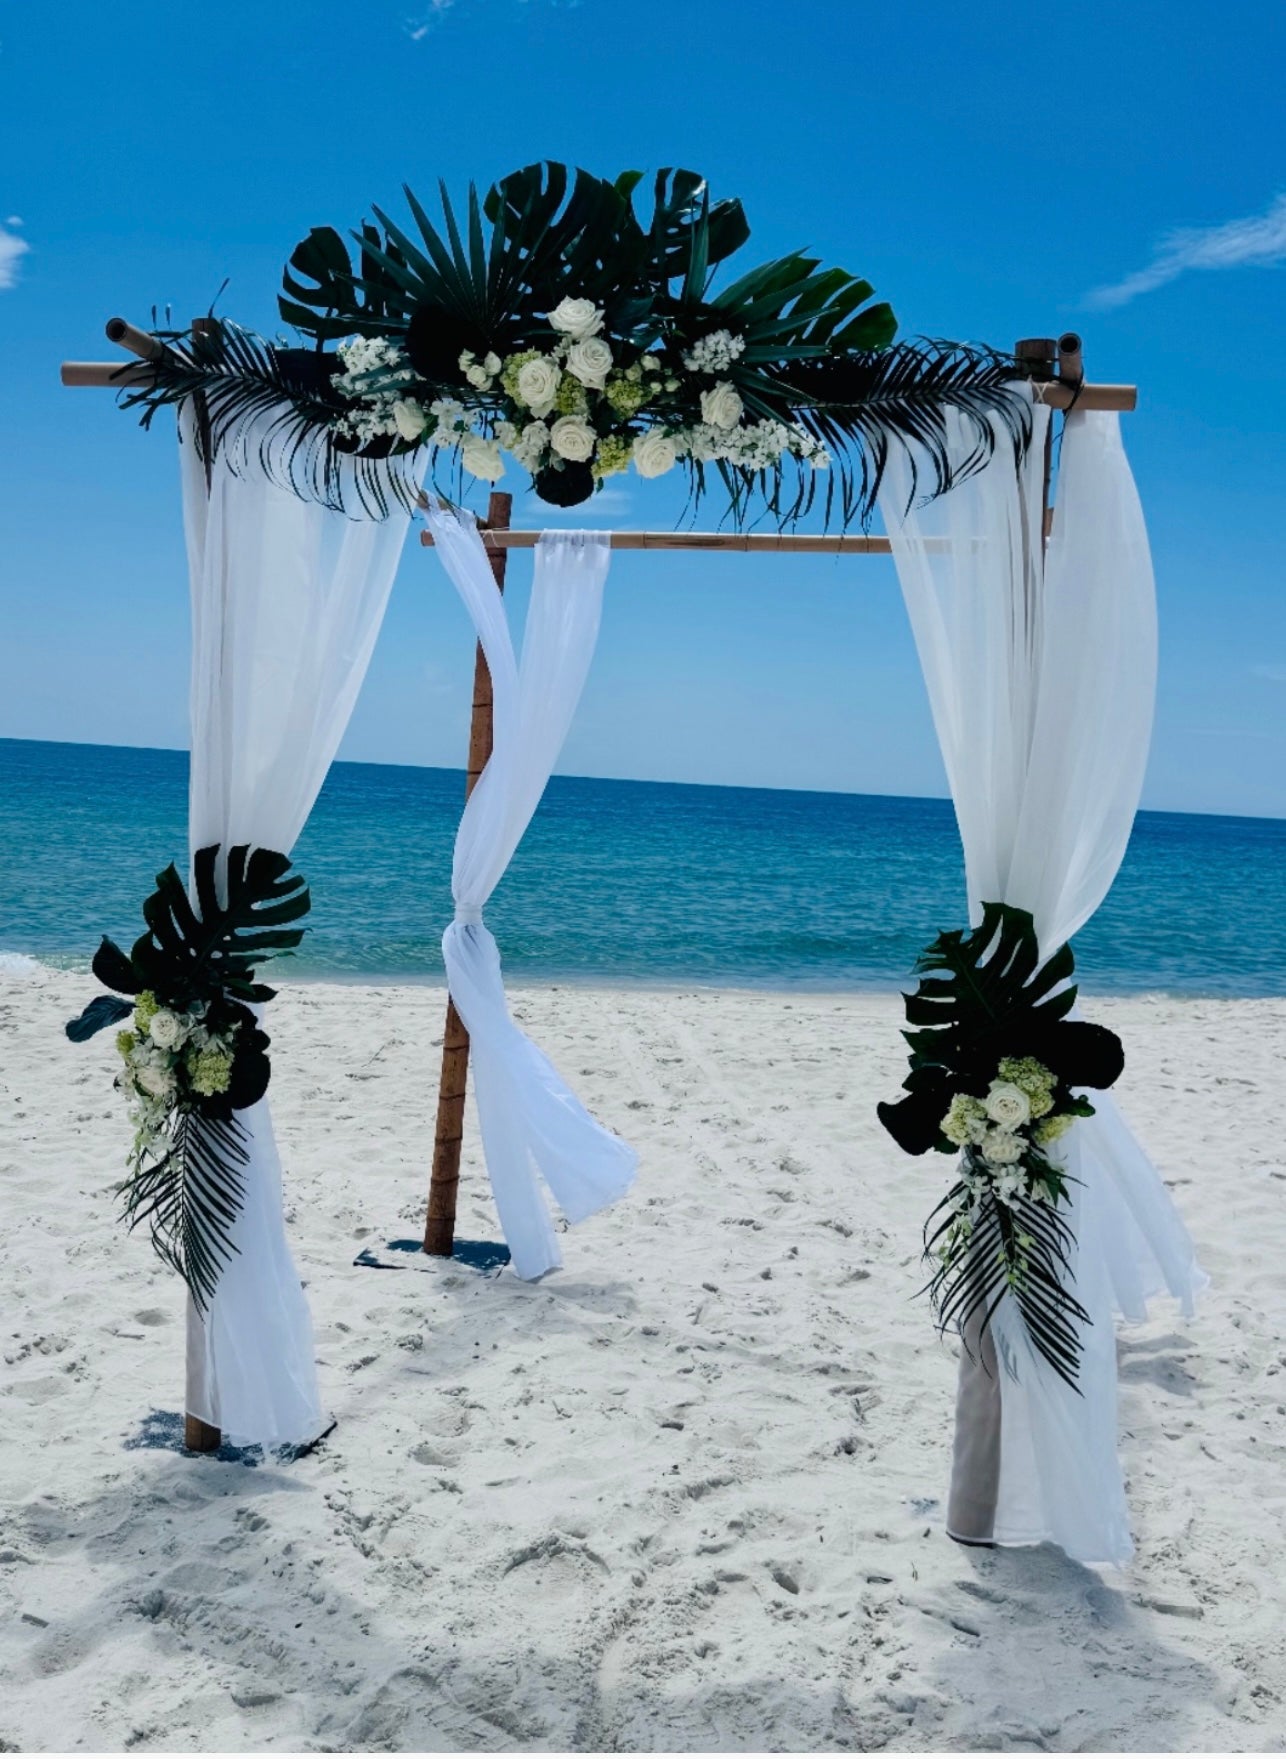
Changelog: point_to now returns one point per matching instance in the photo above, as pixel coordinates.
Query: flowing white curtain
(528, 1115)
(1041, 680)
(287, 600)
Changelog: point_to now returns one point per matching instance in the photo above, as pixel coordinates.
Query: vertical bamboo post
(200, 1437)
(444, 1184)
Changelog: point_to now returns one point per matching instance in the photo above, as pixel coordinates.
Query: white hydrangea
(531, 446)
(1002, 1148)
(714, 353)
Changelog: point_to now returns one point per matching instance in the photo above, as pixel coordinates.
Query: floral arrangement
(570, 415)
(996, 1066)
(556, 325)
(194, 1054)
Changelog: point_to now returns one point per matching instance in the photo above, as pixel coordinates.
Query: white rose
(572, 438)
(478, 377)
(590, 361)
(166, 1029)
(654, 453)
(410, 418)
(577, 318)
(1002, 1148)
(492, 364)
(154, 1079)
(721, 407)
(1008, 1105)
(538, 382)
(482, 457)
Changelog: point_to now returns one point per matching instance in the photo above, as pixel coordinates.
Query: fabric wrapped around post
(529, 1117)
(1041, 673)
(287, 600)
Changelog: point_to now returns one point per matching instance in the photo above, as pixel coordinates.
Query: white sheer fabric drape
(529, 1117)
(287, 600)
(1041, 681)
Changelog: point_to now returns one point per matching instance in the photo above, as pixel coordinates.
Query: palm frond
(190, 1198)
(270, 408)
(861, 405)
(1023, 1250)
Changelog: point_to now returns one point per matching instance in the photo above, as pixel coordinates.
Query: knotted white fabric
(287, 600)
(1041, 679)
(528, 1115)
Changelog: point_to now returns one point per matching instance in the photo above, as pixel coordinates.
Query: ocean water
(628, 882)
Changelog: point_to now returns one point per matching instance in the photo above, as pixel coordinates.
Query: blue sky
(992, 169)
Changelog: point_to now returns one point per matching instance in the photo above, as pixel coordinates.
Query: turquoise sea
(628, 882)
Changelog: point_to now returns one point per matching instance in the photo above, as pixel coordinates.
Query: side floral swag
(194, 1054)
(995, 1069)
(555, 323)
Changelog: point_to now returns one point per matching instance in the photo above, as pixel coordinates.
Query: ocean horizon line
(639, 781)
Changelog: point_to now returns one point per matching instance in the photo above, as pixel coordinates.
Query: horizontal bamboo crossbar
(767, 543)
(105, 374)
(785, 543)
(1054, 393)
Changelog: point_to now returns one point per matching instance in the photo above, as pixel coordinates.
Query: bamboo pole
(444, 1183)
(199, 1437)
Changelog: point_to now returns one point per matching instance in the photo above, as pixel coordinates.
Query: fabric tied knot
(469, 914)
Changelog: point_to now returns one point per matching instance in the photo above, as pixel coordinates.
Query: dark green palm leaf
(190, 1199)
(289, 393)
(232, 928)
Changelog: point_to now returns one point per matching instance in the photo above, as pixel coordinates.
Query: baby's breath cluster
(375, 370)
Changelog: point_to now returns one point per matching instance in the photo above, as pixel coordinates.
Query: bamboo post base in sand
(444, 1184)
(200, 1437)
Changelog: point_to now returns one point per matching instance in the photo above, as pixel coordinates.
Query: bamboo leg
(444, 1185)
(199, 1437)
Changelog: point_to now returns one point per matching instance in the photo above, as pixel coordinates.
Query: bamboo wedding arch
(1056, 369)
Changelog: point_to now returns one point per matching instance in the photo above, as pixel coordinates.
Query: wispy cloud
(419, 28)
(1257, 242)
(12, 250)
(436, 10)
(1274, 674)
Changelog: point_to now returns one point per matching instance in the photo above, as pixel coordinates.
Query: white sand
(683, 1494)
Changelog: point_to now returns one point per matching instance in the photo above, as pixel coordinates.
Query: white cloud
(1274, 674)
(12, 250)
(1258, 242)
(420, 27)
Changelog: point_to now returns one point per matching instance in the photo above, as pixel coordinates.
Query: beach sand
(685, 1493)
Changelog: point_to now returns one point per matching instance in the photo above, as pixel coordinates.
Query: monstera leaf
(995, 1000)
(189, 953)
(219, 944)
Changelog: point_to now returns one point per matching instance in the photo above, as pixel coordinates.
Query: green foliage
(816, 349)
(190, 1199)
(199, 959)
(984, 996)
(1022, 1249)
